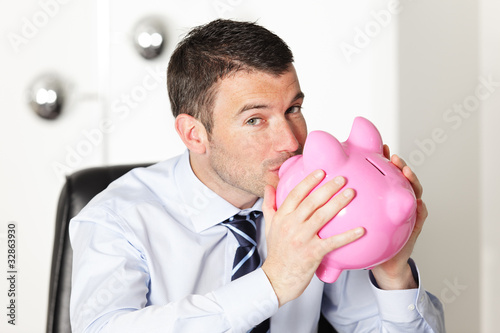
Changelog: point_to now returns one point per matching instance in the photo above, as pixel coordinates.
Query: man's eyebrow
(263, 106)
(251, 107)
(299, 95)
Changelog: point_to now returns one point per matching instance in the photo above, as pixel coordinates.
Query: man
(158, 250)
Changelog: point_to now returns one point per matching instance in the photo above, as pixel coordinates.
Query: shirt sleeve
(110, 288)
(355, 304)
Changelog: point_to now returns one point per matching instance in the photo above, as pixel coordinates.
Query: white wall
(448, 49)
(403, 75)
(62, 43)
(439, 68)
(489, 51)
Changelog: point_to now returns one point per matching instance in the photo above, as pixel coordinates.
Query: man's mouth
(276, 164)
(276, 167)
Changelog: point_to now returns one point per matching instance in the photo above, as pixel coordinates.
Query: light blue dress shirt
(150, 256)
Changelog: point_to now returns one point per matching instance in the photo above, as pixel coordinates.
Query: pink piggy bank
(384, 204)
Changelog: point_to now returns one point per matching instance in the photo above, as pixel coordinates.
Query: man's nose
(285, 139)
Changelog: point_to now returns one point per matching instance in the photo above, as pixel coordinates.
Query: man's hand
(396, 273)
(294, 249)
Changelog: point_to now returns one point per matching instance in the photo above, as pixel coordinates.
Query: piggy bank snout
(401, 205)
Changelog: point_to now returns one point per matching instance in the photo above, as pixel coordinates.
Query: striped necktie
(247, 257)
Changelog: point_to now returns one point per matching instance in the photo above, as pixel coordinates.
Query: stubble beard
(242, 177)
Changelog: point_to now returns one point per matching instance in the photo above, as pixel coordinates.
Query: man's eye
(254, 121)
(294, 109)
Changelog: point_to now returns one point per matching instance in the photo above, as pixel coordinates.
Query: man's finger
(299, 192)
(337, 241)
(398, 161)
(269, 203)
(415, 183)
(310, 205)
(409, 174)
(387, 152)
(328, 211)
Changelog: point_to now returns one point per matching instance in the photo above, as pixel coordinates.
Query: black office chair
(80, 187)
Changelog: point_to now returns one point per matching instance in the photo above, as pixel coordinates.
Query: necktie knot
(244, 229)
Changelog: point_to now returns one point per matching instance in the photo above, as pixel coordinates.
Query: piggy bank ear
(322, 150)
(365, 135)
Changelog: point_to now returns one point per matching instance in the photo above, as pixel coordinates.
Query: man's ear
(192, 133)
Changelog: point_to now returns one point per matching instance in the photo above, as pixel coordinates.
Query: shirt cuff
(399, 305)
(247, 301)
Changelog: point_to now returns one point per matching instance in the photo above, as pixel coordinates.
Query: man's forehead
(254, 84)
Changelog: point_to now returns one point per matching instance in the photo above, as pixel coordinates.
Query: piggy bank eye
(376, 167)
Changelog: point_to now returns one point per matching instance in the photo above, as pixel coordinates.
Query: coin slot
(376, 167)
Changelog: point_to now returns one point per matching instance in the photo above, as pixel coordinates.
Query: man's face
(257, 125)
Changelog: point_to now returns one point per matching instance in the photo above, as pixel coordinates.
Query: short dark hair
(213, 51)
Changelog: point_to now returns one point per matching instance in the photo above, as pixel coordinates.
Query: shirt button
(411, 307)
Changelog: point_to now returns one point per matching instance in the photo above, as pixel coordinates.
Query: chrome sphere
(149, 37)
(46, 96)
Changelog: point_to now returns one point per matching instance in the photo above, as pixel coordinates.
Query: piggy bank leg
(327, 274)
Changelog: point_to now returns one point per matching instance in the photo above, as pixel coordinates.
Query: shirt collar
(203, 206)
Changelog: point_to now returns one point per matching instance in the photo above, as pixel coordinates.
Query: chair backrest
(80, 187)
